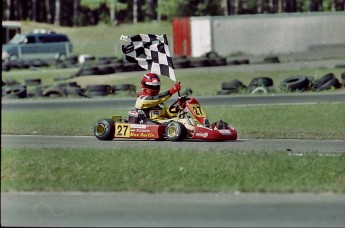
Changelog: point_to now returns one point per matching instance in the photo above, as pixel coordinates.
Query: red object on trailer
(181, 36)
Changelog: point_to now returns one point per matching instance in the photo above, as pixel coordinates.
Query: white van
(40, 44)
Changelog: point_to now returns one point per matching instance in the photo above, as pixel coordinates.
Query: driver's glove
(175, 88)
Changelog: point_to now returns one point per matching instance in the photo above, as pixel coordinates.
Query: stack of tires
(69, 62)
(264, 84)
(98, 90)
(105, 90)
(128, 88)
(296, 83)
(327, 82)
(14, 91)
(71, 89)
(234, 86)
(303, 83)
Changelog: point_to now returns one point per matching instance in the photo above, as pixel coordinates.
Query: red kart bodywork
(195, 126)
(205, 133)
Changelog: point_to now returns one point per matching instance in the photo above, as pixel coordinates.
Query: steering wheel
(175, 107)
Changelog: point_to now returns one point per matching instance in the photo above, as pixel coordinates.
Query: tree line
(83, 12)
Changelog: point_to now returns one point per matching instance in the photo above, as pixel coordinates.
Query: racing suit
(154, 107)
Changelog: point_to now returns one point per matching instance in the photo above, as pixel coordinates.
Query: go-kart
(191, 123)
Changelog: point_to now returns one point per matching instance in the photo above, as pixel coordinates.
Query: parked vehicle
(40, 44)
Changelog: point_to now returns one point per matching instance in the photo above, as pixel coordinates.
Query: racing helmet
(151, 84)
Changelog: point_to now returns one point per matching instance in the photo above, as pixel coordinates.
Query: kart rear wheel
(104, 129)
(175, 131)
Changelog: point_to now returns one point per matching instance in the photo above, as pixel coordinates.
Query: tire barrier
(326, 82)
(271, 59)
(265, 84)
(98, 90)
(234, 86)
(54, 91)
(34, 89)
(130, 88)
(14, 91)
(294, 83)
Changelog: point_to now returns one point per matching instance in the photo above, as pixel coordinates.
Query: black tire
(181, 63)
(104, 129)
(231, 61)
(271, 59)
(294, 83)
(175, 131)
(102, 87)
(325, 78)
(261, 82)
(334, 82)
(343, 78)
(124, 87)
(75, 91)
(199, 62)
(37, 92)
(107, 60)
(234, 85)
(97, 93)
(107, 69)
(54, 91)
(89, 70)
(98, 90)
(339, 66)
(15, 91)
(326, 82)
(72, 60)
(243, 61)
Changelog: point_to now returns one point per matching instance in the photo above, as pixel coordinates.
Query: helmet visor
(155, 85)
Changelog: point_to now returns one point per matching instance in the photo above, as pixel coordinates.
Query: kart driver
(151, 101)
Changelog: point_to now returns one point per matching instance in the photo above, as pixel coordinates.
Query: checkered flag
(151, 52)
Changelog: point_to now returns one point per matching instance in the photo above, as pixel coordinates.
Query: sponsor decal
(225, 132)
(204, 135)
(138, 126)
(142, 135)
(155, 112)
(142, 130)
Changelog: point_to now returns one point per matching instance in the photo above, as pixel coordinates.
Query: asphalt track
(261, 145)
(128, 209)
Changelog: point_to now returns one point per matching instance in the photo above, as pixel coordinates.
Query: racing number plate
(122, 130)
(198, 110)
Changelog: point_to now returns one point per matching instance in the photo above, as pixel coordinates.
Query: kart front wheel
(104, 129)
(175, 131)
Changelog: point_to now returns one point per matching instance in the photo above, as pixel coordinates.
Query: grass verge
(154, 170)
(318, 121)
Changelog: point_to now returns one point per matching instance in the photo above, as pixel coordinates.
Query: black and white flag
(151, 52)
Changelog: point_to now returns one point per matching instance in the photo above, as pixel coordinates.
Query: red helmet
(151, 84)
